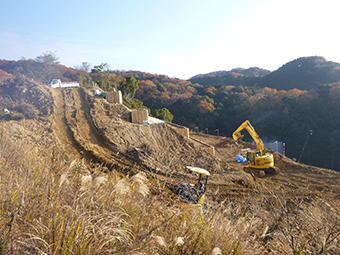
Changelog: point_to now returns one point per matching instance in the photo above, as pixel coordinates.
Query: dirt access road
(293, 180)
(102, 133)
(88, 128)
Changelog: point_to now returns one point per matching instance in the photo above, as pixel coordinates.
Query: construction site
(103, 132)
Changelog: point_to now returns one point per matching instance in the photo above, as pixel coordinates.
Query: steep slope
(88, 128)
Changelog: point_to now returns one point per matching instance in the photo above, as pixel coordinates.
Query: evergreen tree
(129, 86)
(164, 114)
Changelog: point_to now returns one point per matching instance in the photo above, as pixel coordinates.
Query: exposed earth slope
(88, 128)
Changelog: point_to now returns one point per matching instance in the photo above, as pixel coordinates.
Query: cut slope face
(154, 148)
(88, 128)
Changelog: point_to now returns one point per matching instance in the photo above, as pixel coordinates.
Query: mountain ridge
(303, 73)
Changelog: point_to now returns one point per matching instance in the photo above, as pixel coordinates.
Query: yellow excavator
(258, 163)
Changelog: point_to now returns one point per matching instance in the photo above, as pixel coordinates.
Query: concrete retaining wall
(114, 97)
(183, 131)
(139, 115)
(210, 150)
(204, 146)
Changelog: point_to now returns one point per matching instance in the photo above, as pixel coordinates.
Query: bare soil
(88, 128)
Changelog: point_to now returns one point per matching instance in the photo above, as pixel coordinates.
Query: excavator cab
(194, 193)
(251, 158)
(256, 159)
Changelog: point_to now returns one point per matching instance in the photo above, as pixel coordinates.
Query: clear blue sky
(178, 38)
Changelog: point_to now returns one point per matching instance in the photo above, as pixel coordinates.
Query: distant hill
(303, 73)
(235, 77)
(253, 71)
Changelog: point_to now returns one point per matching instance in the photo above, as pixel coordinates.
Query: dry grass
(50, 205)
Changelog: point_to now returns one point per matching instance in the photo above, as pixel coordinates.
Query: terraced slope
(88, 128)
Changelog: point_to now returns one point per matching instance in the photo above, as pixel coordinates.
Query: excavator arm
(246, 125)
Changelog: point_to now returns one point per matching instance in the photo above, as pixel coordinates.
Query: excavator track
(256, 172)
(261, 173)
(272, 170)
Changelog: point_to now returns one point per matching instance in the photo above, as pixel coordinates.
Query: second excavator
(258, 163)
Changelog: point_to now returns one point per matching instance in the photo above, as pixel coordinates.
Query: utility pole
(303, 149)
(277, 146)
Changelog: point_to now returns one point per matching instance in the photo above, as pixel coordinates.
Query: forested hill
(303, 73)
(235, 77)
(253, 71)
(283, 105)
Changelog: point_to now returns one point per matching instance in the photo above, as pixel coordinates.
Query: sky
(178, 38)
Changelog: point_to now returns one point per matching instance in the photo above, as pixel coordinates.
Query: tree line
(277, 114)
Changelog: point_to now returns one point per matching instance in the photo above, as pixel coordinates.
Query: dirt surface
(293, 178)
(88, 128)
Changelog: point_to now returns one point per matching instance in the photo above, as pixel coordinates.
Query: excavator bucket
(237, 136)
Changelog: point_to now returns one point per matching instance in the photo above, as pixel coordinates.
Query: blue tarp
(240, 159)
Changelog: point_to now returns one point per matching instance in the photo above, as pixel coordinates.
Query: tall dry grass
(51, 205)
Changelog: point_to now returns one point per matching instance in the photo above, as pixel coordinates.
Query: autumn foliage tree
(206, 107)
(147, 89)
(4, 76)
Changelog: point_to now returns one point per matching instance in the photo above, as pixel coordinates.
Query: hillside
(285, 115)
(235, 77)
(304, 73)
(87, 128)
(253, 72)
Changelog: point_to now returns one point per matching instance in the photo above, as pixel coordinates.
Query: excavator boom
(246, 125)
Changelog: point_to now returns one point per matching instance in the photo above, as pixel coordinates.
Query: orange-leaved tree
(204, 107)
